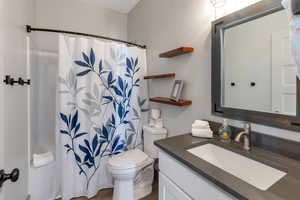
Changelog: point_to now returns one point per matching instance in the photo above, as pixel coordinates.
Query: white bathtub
(43, 184)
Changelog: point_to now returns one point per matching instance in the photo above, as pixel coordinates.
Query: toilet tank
(151, 134)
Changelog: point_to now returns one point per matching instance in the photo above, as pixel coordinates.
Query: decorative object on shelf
(176, 52)
(176, 91)
(158, 76)
(163, 100)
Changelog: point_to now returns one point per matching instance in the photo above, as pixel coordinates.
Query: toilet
(133, 170)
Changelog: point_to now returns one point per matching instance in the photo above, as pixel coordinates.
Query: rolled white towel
(200, 126)
(201, 123)
(204, 133)
(40, 160)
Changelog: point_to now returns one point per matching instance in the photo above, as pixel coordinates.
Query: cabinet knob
(13, 176)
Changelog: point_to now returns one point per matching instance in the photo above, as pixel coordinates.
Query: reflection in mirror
(258, 70)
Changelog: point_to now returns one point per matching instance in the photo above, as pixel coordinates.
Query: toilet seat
(133, 170)
(128, 160)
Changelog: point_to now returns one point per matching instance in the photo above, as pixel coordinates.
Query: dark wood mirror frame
(262, 8)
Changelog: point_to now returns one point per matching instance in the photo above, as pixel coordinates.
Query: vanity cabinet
(178, 182)
(169, 191)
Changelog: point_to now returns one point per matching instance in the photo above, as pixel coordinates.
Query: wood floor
(107, 194)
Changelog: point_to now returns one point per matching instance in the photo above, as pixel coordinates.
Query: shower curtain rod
(30, 29)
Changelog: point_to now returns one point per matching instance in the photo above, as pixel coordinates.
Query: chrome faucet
(246, 134)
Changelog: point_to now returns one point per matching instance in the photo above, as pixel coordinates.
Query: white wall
(165, 25)
(232, 6)
(169, 24)
(14, 15)
(78, 16)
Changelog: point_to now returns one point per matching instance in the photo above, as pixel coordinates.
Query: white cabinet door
(284, 71)
(169, 191)
(193, 184)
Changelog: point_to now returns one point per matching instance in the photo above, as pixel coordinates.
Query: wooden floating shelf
(164, 100)
(170, 75)
(176, 52)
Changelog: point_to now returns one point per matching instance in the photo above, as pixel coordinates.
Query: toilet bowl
(133, 170)
(124, 169)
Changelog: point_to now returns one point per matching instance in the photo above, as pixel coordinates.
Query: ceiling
(123, 6)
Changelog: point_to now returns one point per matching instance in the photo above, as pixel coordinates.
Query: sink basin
(255, 173)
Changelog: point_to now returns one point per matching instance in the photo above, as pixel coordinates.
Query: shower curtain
(102, 104)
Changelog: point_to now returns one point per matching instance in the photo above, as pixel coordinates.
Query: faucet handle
(247, 126)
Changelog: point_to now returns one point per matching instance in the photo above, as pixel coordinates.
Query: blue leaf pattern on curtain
(104, 139)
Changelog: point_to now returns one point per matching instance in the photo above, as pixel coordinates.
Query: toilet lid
(128, 159)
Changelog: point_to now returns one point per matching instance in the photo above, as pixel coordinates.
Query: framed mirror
(253, 71)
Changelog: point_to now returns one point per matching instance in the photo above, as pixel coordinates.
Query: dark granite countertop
(288, 188)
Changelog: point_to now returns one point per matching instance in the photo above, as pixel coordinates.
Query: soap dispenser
(225, 132)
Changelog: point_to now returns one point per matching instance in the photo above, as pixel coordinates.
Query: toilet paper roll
(155, 113)
(159, 123)
(40, 160)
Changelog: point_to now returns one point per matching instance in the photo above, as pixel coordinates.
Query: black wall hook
(22, 82)
(11, 81)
